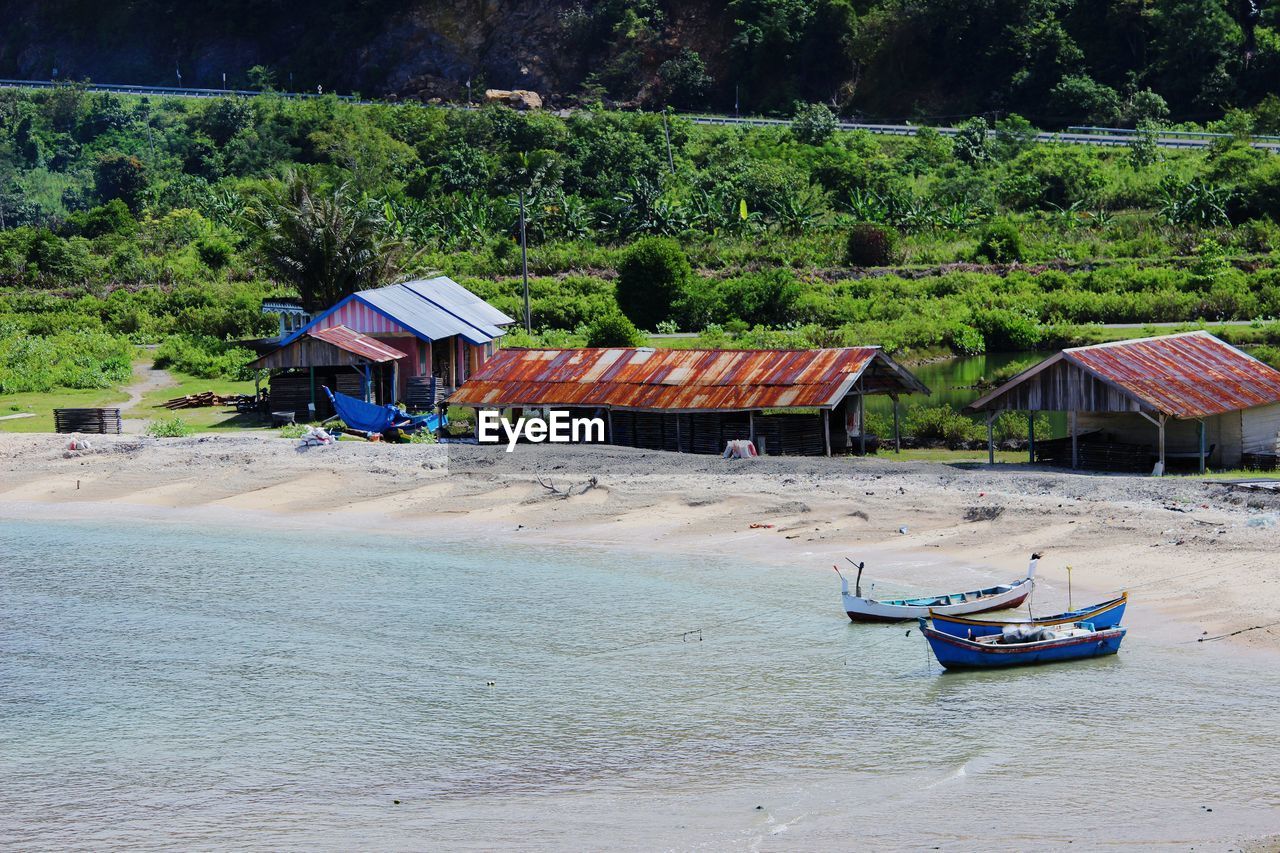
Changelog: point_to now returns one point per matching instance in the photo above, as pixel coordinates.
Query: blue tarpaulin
(370, 417)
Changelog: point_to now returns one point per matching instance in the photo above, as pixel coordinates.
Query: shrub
(214, 252)
(111, 218)
(204, 356)
(966, 339)
(1262, 190)
(652, 276)
(1063, 176)
(1007, 331)
(684, 80)
(871, 245)
(764, 298)
(812, 124)
(121, 176)
(1012, 426)
(1267, 354)
(999, 243)
(65, 359)
(1080, 95)
(174, 427)
(971, 143)
(613, 330)
(928, 424)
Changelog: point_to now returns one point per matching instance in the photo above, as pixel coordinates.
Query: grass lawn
(210, 418)
(43, 404)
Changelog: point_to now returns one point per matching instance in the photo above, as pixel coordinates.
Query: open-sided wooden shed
(1189, 396)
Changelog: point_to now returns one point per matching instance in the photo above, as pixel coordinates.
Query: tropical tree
(327, 244)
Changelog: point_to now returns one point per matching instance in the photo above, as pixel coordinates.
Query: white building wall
(1261, 429)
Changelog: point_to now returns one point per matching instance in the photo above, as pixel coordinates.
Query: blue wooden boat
(1108, 614)
(1023, 646)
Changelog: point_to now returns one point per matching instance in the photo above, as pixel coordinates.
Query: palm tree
(327, 244)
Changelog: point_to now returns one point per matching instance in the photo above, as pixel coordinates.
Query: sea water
(166, 685)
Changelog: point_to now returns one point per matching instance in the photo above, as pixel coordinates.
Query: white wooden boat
(1002, 597)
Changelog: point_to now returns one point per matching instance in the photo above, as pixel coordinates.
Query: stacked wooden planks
(205, 398)
(98, 421)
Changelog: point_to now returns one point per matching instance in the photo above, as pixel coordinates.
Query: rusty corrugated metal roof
(1189, 375)
(673, 379)
(357, 344)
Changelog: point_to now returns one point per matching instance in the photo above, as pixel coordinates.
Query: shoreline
(1185, 547)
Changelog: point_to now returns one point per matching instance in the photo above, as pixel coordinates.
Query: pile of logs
(206, 398)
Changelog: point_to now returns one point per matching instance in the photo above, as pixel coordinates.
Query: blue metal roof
(459, 301)
(433, 309)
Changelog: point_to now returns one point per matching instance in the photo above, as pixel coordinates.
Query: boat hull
(1107, 614)
(959, 653)
(872, 610)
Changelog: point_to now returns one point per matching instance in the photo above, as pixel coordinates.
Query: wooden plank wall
(1064, 387)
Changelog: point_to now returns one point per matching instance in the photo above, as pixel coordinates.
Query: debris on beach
(316, 437)
(983, 513)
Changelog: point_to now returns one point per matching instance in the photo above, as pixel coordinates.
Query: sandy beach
(1201, 552)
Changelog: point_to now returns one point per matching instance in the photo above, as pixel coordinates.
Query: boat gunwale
(934, 600)
(1057, 618)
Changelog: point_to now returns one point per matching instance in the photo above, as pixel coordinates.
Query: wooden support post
(897, 434)
(1161, 425)
(312, 372)
(991, 437)
(862, 424)
(679, 449)
(1031, 437)
(608, 415)
(826, 430)
(1202, 440)
(751, 427)
(1075, 442)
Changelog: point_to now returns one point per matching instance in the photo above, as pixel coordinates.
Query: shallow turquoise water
(163, 685)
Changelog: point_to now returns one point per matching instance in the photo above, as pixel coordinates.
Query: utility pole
(524, 266)
(666, 133)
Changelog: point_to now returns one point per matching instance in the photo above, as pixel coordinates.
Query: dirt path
(147, 379)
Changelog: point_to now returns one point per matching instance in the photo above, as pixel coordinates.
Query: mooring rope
(1241, 631)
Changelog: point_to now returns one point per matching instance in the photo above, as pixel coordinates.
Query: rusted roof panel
(1190, 375)
(357, 344)
(674, 380)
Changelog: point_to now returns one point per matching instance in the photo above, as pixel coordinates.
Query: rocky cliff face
(417, 49)
(932, 60)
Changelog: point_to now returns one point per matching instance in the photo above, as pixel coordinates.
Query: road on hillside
(1105, 136)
